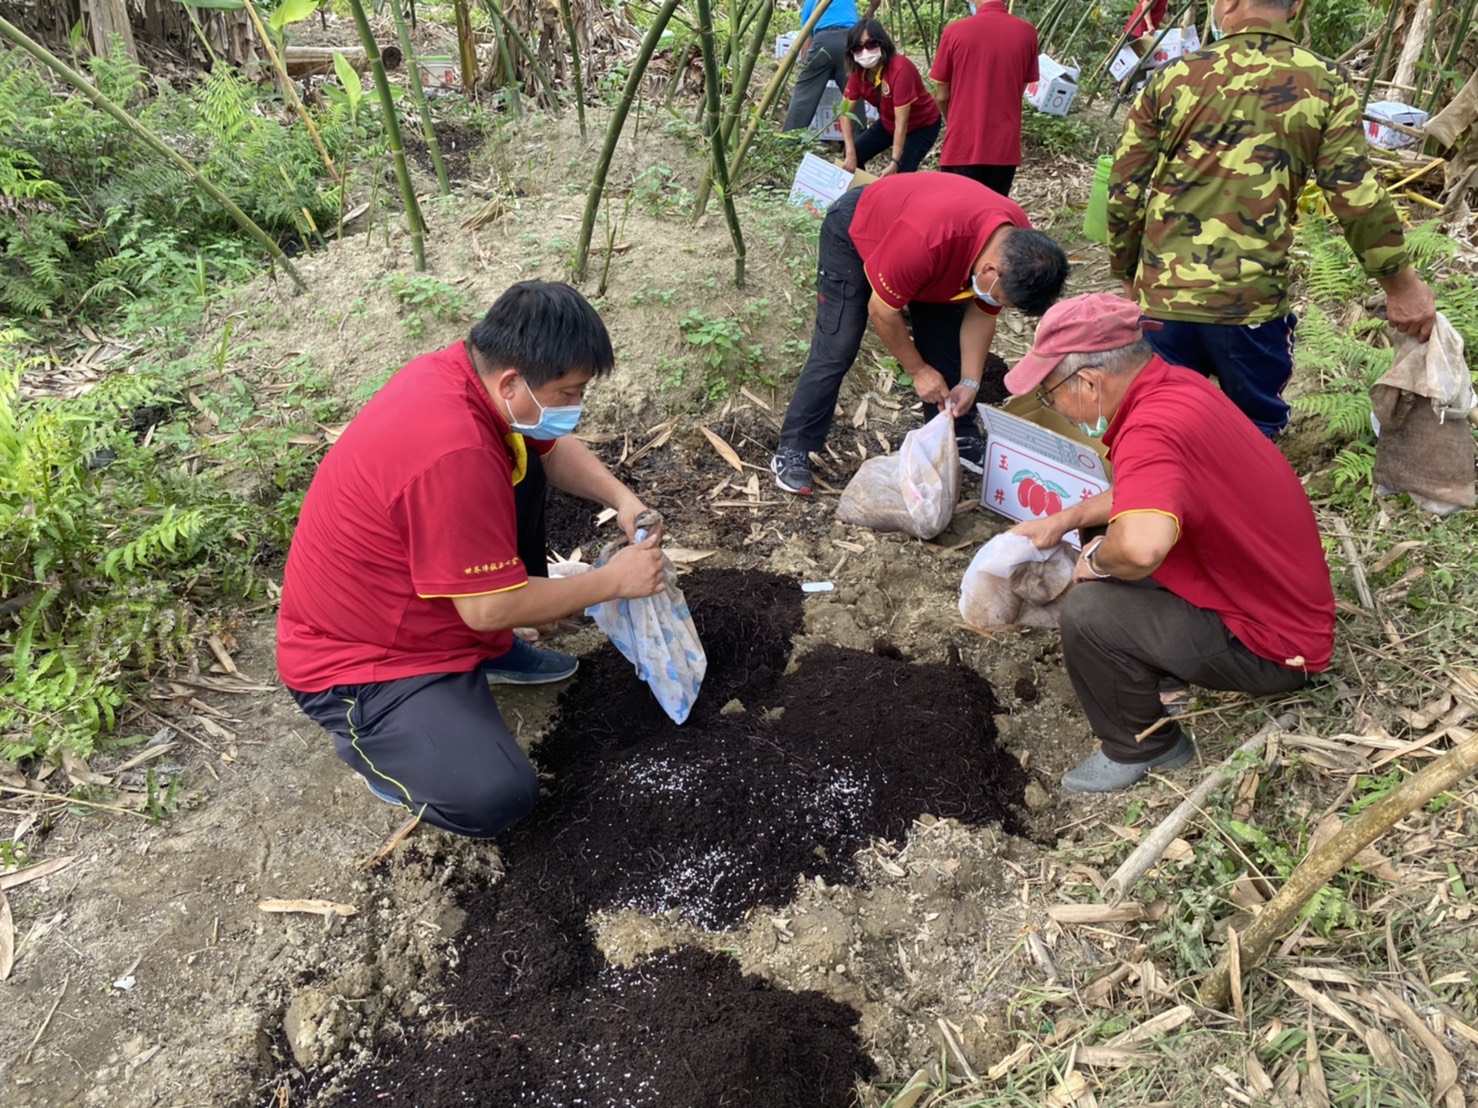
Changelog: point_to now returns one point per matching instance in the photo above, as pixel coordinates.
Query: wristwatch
(1088, 552)
(973, 386)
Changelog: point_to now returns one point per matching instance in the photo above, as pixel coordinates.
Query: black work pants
(842, 293)
(825, 61)
(996, 177)
(876, 139)
(436, 742)
(1120, 639)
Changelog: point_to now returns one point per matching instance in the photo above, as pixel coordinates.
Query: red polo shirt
(412, 506)
(918, 234)
(987, 59)
(897, 85)
(1249, 548)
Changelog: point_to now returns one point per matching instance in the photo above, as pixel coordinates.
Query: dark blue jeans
(1251, 363)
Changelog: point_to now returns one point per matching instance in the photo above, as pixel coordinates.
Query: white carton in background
(818, 182)
(1381, 112)
(783, 43)
(1033, 468)
(1054, 91)
(826, 122)
(1124, 61)
(1176, 44)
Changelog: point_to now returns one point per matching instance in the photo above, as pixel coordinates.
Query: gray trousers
(826, 61)
(1121, 639)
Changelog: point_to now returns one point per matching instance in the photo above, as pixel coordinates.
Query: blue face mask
(985, 296)
(553, 422)
(1094, 430)
(1216, 32)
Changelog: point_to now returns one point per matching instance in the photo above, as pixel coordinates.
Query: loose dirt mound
(702, 822)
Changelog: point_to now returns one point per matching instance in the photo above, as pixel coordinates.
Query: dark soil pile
(708, 820)
(457, 142)
(569, 522)
(993, 384)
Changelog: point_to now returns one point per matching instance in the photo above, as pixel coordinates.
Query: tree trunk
(105, 19)
(1411, 51)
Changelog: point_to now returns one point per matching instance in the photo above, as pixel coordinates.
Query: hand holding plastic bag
(656, 634)
(914, 491)
(1011, 581)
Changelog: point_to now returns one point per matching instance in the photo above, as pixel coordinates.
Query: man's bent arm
(574, 468)
(634, 571)
(1136, 543)
(888, 322)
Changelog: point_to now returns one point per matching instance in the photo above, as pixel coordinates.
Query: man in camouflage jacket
(1206, 181)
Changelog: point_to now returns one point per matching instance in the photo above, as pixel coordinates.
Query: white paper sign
(1032, 472)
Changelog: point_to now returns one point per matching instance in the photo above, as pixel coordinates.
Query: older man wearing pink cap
(1206, 567)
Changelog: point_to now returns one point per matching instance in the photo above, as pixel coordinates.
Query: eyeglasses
(1044, 396)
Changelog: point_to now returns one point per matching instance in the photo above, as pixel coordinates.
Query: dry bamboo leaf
(859, 417)
(1067, 1092)
(1010, 1062)
(218, 648)
(1446, 1069)
(1096, 913)
(1429, 714)
(311, 907)
(1257, 1077)
(7, 939)
(1234, 963)
(909, 1095)
(1386, 560)
(36, 872)
(1101, 1057)
(1098, 991)
(684, 556)
(1316, 1090)
(725, 451)
(78, 771)
(1150, 1029)
(743, 391)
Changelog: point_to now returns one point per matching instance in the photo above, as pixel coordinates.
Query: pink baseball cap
(1081, 325)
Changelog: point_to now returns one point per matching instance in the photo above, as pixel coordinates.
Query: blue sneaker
(530, 665)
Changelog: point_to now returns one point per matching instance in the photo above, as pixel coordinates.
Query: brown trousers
(1122, 640)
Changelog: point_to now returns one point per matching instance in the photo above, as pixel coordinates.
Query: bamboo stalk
(290, 90)
(25, 43)
(466, 45)
(1318, 867)
(1153, 845)
(716, 140)
(736, 100)
(613, 132)
(418, 95)
(777, 82)
(509, 75)
(569, 21)
(516, 36)
(392, 131)
(1459, 36)
(1380, 57)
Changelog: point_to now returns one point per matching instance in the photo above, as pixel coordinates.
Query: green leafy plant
(423, 297)
(726, 355)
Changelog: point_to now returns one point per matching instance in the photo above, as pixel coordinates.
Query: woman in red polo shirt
(908, 118)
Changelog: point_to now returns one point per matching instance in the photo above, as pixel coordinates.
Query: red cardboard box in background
(1037, 463)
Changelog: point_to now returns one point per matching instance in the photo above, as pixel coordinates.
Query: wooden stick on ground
(1362, 585)
(1316, 869)
(1153, 845)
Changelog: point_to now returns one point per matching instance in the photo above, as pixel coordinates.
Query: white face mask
(868, 58)
(1216, 32)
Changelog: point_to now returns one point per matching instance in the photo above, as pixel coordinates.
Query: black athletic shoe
(792, 471)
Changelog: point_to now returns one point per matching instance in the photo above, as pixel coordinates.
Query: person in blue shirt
(825, 57)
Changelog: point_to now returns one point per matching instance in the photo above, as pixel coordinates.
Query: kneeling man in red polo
(421, 545)
(1210, 571)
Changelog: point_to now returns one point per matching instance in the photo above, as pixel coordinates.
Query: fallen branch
(1318, 867)
(1153, 845)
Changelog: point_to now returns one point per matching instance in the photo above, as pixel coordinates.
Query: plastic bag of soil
(1421, 410)
(1011, 582)
(656, 635)
(914, 491)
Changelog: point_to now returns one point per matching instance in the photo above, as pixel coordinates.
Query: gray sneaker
(1098, 774)
(792, 471)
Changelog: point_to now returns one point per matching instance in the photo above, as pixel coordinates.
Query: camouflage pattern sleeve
(1129, 184)
(1342, 169)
